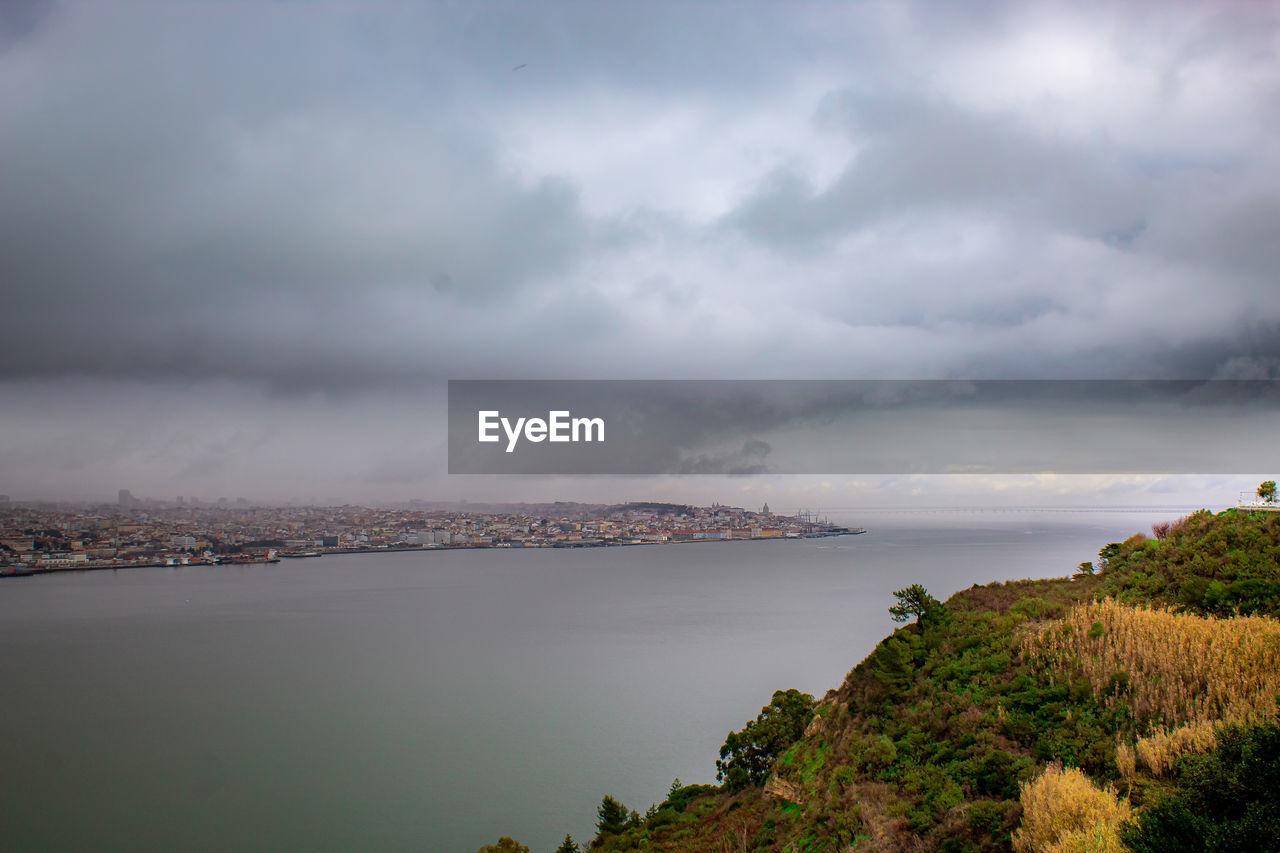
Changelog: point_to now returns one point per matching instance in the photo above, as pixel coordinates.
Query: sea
(437, 700)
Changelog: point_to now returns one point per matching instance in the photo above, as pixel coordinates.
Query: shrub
(875, 754)
(1227, 801)
(1126, 761)
(504, 845)
(747, 757)
(1161, 749)
(1063, 812)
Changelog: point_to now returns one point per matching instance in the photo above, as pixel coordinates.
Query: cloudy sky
(243, 245)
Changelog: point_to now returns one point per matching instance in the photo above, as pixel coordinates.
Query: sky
(244, 245)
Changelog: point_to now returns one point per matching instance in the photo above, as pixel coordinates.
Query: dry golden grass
(1180, 668)
(1063, 812)
(1162, 748)
(1126, 761)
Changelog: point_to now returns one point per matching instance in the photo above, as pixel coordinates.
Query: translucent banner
(746, 427)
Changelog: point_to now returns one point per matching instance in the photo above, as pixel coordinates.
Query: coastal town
(38, 538)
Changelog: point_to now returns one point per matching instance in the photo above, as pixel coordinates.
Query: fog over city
(244, 246)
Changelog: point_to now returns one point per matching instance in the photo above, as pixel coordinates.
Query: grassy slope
(925, 744)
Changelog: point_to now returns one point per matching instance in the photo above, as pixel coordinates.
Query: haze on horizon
(245, 245)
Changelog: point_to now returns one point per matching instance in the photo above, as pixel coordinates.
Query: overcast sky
(243, 245)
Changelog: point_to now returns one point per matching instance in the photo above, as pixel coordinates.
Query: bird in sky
(521, 65)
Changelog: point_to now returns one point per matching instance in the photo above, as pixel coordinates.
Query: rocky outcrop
(781, 789)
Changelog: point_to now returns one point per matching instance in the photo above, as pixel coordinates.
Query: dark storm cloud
(259, 193)
(165, 239)
(19, 19)
(919, 156)
(340, 198)
(181, 201)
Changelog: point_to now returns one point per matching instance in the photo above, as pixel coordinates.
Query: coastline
(31, 571)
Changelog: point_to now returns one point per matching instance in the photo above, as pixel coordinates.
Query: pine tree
(915, 601)
(568, 845)
(612, 818)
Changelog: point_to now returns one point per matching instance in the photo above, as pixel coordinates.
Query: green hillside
(1096, 712)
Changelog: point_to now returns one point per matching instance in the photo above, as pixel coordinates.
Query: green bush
(747, 757)
(1226, 801)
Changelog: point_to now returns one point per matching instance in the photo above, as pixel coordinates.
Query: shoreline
(23, 572)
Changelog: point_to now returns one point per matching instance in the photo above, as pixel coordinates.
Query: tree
(1111, 549)
(568, 845)
(612, 819)
(894, 660)
(915, 601)
(504, 845)
(747, 756)
(1267, 491)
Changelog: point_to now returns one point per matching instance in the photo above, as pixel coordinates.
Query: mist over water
(434, 701)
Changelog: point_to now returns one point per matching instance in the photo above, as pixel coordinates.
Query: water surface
(433, 701)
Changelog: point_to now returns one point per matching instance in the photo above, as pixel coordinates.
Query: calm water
(434, 701)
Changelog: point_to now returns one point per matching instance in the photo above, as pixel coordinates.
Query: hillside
(1082, 713)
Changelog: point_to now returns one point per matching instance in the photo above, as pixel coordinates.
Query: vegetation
(1131, 704)
(1221, 564)
(1167, 668)
(1226, 801)
(1063, 812)
(504, 845)
(915, 602)
(612, 819)
(1160, 750)
(747, 756)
